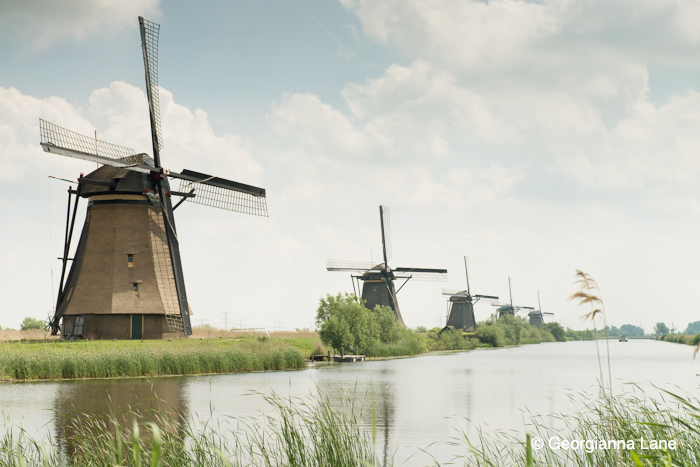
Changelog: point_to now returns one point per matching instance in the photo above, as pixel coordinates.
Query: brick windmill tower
(126, 279)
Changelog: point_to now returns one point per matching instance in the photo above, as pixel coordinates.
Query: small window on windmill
(136, 288)
(130, 261)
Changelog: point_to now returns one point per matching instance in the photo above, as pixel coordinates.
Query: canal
(419, 402)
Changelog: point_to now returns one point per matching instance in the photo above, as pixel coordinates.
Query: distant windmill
(378, 279)
(509, 308)
(460, 306)
(126, 279)
(537, 316)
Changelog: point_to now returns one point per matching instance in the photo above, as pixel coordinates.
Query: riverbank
(22, 361)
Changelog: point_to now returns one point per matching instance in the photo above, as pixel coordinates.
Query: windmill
(509, 308)
(537, 316)
(460, 306)
(378, 279)
(126, 278)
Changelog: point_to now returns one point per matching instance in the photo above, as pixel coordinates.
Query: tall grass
(298, 433)
(667, 417)
(317, 432)
(119, 359)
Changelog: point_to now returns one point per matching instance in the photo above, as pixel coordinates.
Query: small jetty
(338, 358)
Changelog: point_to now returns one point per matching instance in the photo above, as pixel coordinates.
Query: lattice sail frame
(54, 135)
(149, 38)
(225, 198)
(345, 265)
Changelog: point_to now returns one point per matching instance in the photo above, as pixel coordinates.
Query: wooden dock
(338, 358)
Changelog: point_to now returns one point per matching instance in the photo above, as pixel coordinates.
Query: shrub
(452, 340)
(547, 336)
(695, 340)
(490, 334)
(419, 329)
(31, 323)
(556, 330)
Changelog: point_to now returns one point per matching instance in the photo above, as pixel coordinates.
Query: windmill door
(136, 326)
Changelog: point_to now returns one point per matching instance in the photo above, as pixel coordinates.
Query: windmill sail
(64, 142)
(221, 193)
(422, 274)
(149, 45)
(385, 222)
(344, 265)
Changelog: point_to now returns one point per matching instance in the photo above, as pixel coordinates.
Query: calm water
(419, 401)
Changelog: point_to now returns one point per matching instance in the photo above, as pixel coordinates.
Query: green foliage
(490, 334)
(343, 321)
(548, 336)
(31, 323)
(452, 340)
(102, 359)
(421, 329)
(574, 335)
(660, 329)
(692, 329)
(630, 330)
(513, 326)
(556, 331)
(695, 340)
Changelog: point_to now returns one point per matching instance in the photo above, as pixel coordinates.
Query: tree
(490, 334)
(660, 329)
(31, 323)
(693, 328)
(342, 321)
(556, 330)
(630, 330)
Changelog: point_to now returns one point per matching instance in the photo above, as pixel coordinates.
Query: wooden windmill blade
(385, 222)
(422, 274)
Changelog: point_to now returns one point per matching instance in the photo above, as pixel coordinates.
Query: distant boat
(623, 338)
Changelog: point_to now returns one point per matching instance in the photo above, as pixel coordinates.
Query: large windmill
(378, 279)
(537, 316)
(460, 306)
(509, 308)
(126, 279)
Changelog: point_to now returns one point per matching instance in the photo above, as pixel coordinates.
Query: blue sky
(535, 138)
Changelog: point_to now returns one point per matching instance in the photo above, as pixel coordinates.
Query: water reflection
(121, 399)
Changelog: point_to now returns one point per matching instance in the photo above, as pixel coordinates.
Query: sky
(535, 138)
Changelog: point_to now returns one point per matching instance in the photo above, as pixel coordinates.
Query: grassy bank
(318, 432)
(103, 359)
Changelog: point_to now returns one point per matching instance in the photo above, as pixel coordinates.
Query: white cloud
(42, 23)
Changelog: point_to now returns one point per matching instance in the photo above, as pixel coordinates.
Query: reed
(100, 359)
(314, 431)
(298, 433)
(667, 417)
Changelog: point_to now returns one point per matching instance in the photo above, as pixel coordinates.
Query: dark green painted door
(136, 326)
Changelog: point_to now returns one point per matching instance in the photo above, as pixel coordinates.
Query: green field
(21, 361)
